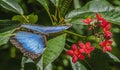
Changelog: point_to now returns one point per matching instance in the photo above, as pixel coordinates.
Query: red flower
(107, 34)
(107, 27)
(86, 48)
(106, 45)
(87, 21)
(75, 53)
(99, 17)
(104, 23)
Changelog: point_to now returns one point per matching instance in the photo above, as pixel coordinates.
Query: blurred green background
(10, 57)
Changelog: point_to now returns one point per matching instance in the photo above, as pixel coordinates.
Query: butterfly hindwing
(30, 44)
(46, 29)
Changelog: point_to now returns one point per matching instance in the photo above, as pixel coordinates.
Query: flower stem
(74, 33)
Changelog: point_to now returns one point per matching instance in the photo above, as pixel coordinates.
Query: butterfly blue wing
(30, 44)
(46, 29)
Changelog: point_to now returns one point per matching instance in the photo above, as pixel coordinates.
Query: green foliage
(64, 6)
(113, 17)
(113, 57)
(53, 49)
(31, 18)
(60, 12)
(92, 6)
(44, 4)
(11, 5)
(4, 37)
(6, 25)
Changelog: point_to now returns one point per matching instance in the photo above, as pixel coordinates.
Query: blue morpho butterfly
(33, 44)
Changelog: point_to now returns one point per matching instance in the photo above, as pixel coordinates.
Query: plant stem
(74, 33)
(50, 17)
(25, 18)
(56, 10)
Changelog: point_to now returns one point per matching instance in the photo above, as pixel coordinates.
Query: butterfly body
(33, 44)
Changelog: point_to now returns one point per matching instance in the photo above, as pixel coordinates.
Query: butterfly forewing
(46, 29)
(30, 44)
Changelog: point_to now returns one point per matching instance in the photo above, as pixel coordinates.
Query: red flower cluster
(105, 26)
(78, 50)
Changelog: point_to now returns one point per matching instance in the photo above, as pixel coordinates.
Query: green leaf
(4, 37)
(65, 6)
(113, 57)
(53, 49)
(40, 63)
(49, 67)
(44, 4)
(31, 18)
(78, 66)
(112, 16)
(99, 6)
(11, 5)
(19, 18)
(6, 25)
(92, 6)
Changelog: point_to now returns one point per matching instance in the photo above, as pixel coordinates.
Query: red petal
(99, 17)
(81, 50)
(88, 20)
(107, 27)
(107, 34)
(88, 51)
(102, 44)
(74, 47)
(70, 52)
(104, 23)
(88, 44)
(74, 59)
(109, 48)
(110, 42)
(85, 21)
(104, 49)
(81, 45)
(92, 48)
(81, 56)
